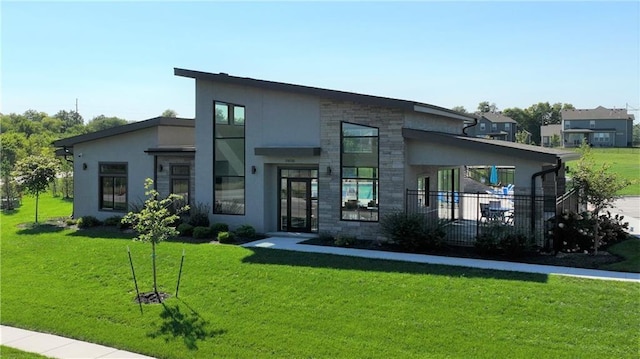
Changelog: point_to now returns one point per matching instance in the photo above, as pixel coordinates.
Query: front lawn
(260, 303)
(623, 161)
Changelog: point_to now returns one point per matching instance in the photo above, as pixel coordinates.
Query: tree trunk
(596, 233)
(153, 256)
(37, 197)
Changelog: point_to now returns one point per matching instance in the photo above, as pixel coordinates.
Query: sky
(117, 58)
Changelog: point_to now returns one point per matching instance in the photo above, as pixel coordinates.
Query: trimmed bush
(499, 240)
(412, 232)
(88, 222)
(220, 227)
(113, 221)
(345, 240)
(226, 237)
(185, 229)
(202, 232)
(245, 231)
(199, 220)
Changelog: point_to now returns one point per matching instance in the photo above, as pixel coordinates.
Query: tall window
(482, 126)
(180, 175)
(507, 126)
(494, 127)
(113, 186)
(592, 124)
(359, 172)
(229, 158)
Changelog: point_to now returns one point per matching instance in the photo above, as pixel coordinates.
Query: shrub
(345, 240)
(199, 220)
(486, 244)
(226, 237)
(245, 231)
(185, 229)
(326, 237)
(412, 232)
(202, 232)
(71, 222)
(88, 222)
(514, 245)
(612, 229)
(113, 221)
(220, 227)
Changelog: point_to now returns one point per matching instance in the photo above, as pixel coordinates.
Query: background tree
(69, 118)
(460, 109)
(12, 150)
(523, 137)
(596, 186)
(155, 222)
(485, 106)
(169, 113)
(102, 122)
(554, 141)
(636, 134)
(34, 173)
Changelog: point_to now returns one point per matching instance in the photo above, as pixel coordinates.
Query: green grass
(630, 251)
(624, 161)
(260, 303)
(11, 353)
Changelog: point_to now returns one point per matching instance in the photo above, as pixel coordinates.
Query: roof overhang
(517, 150)
(324, 93)
(287, 151)
(130, 127)
(173, 151)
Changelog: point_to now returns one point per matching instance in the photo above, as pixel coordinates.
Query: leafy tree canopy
(102, 122)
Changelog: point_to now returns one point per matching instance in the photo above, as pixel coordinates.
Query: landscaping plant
(34, 173)
(154, 223)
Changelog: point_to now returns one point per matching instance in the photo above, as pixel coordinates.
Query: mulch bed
(151, 297)
(576, 260)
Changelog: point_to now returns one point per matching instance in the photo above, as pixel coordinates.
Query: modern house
(292, 158)
(494, 125)
(600, 127)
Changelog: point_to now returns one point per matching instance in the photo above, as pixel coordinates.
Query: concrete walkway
(293, 244)
(54, 346)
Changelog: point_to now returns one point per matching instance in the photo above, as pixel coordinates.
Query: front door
(298, 205)
(298, 200)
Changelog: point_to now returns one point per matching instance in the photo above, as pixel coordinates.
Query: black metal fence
(466, 216)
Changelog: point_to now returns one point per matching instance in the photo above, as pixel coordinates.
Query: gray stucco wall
(128, 148)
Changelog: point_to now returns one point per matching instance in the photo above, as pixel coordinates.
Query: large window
(359, 172)
(113, 186)
(229, 158)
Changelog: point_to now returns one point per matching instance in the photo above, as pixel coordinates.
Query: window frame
(357, 179)
(220, 180)
(112, 175)
(186, 177)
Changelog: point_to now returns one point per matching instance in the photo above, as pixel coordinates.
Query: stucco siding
(127, 148)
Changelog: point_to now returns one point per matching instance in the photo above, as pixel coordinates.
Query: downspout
(555, 169)
(475, 122)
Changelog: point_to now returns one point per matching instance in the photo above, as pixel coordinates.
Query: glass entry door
(298, 200)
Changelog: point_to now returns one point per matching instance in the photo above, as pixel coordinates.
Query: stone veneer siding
(391, 166)
(162, 178)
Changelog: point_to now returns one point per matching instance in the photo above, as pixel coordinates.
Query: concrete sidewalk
(293, 244)
(54, 346)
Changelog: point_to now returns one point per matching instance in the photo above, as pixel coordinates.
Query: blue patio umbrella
(493, 175)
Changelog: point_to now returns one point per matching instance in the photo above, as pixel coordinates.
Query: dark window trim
(376, 179)
(180, 176)
(102, 175)
(231, 119)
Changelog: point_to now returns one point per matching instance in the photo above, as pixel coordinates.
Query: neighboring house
(600, 127)
(292, 158)
(494, 125)
(551, 135)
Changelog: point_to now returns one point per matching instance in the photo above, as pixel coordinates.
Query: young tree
(596, 186)
(155, 222)
(34, 173)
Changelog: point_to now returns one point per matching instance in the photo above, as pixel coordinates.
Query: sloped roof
(517, 150)
(598, 113)
(496, 117)
(325, 93)
(130, 127)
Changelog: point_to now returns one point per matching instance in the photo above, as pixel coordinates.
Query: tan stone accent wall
(163, 177)
(391, 165)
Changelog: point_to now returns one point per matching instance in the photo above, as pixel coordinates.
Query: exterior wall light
(253, 170)
(328, 170)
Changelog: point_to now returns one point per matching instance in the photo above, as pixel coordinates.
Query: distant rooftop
(497, 117)
(598, 113)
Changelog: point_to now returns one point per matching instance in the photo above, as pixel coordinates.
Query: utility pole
(76, 105)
